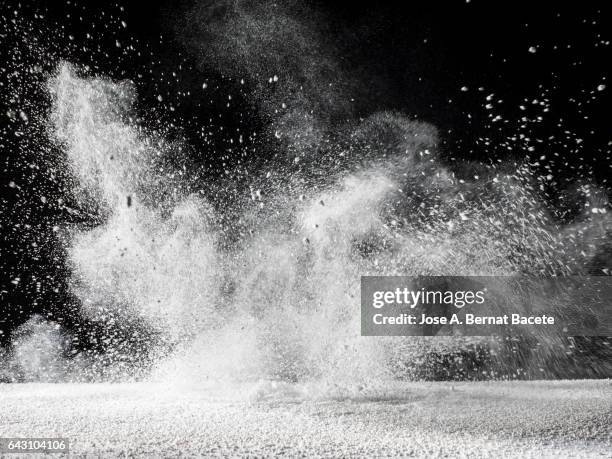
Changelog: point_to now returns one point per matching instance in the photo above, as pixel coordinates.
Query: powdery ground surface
(495, 419)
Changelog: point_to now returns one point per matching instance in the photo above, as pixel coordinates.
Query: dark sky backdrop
(412, 56)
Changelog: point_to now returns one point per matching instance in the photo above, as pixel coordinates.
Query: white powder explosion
(281, 303)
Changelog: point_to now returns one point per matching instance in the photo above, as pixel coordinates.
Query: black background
(420, 55)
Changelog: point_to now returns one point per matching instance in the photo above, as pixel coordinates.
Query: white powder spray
(283, 302)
